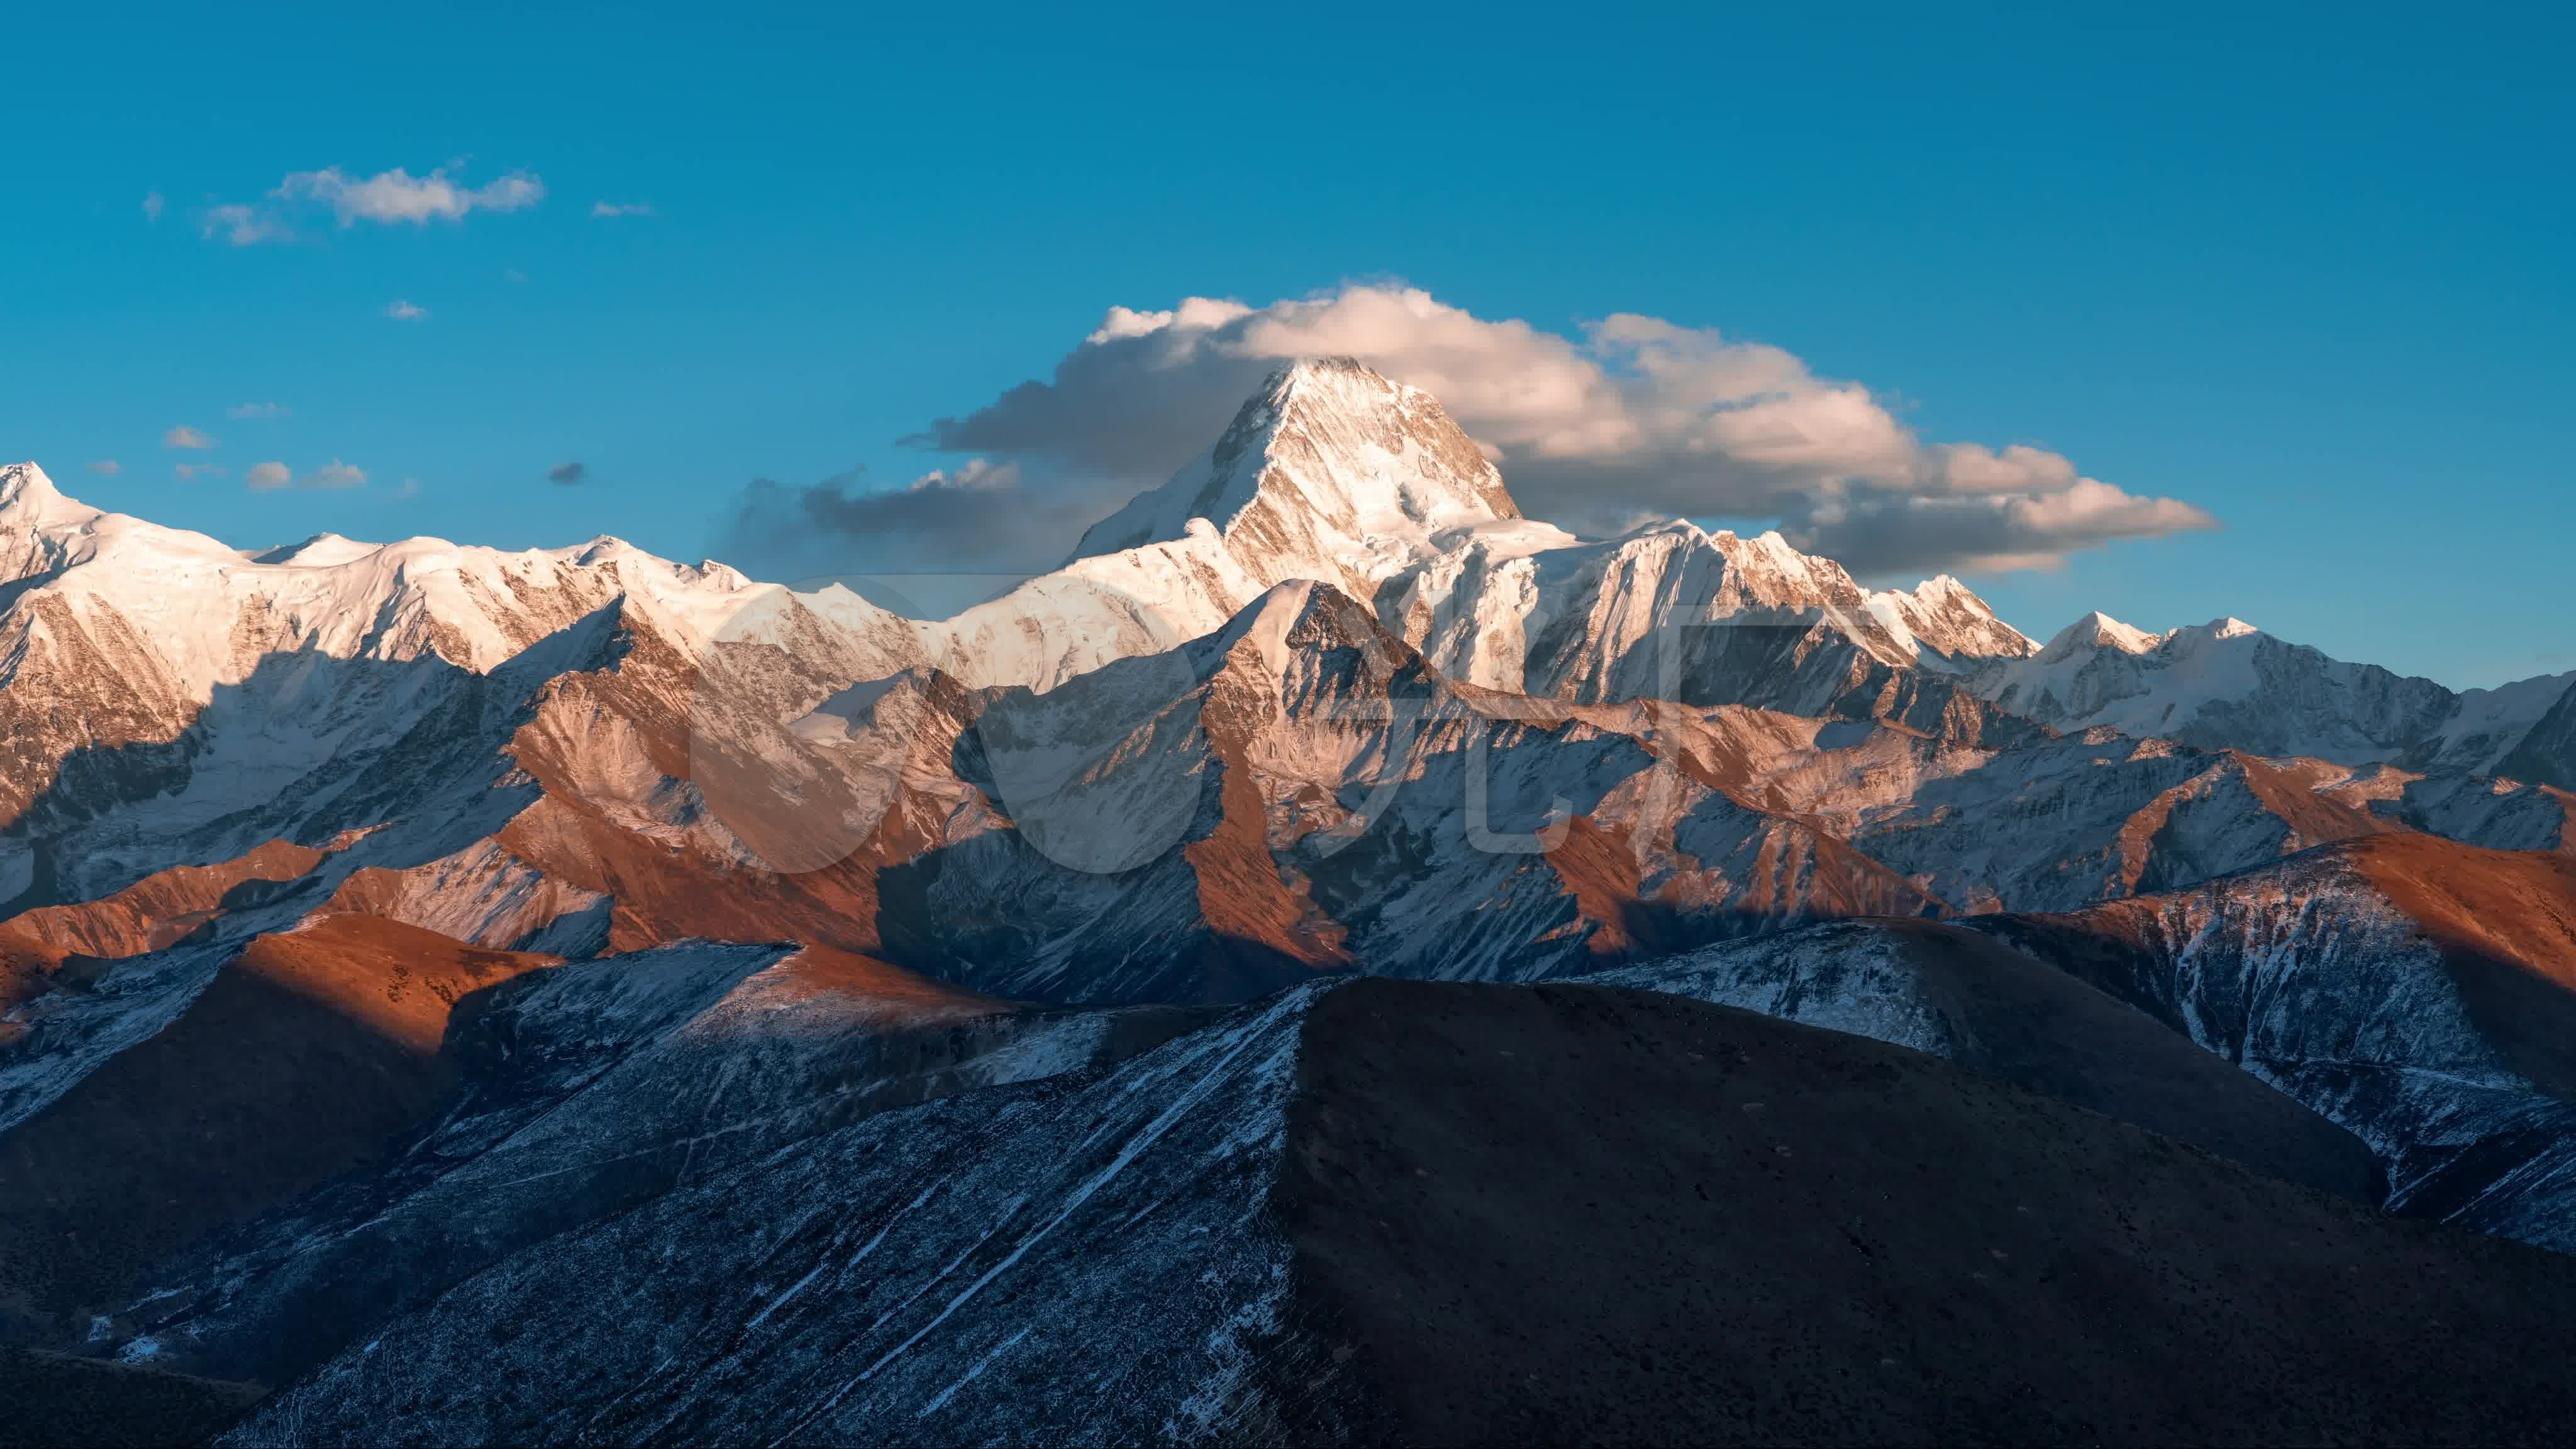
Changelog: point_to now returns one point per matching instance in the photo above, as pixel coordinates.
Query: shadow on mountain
(1573, 1214)
(1442, 1213)
(2416, 991)
(1807, 667)
(60, 1402)
(306, 1056)
(1412, 894)
(306, 746)
(586, 1091)
(1967, 997)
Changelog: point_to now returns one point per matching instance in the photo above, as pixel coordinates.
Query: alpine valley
(1336, 960)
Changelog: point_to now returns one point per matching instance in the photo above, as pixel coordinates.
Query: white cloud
(106, 466)
(199, 470)
(243, 226)
(402, 311)
(387, 198)
(614, 209)
(271, 476)
(1634, 417)
(975, 475)
(398, 196)
(187, 437)
(152, 206)
(256, 410)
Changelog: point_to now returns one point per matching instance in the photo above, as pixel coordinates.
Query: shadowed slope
(1965, 996)
(311, 1052)
(1570, 1214)
(2414, 990)
(1440, 1213)
(55, 1402)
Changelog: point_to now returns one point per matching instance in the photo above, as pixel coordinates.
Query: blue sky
(2310, 277)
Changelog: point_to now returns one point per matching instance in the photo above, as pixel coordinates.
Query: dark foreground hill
(1447, 1213)
(57, 1402)
(1578, 1214)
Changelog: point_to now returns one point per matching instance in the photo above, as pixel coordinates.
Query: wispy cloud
(257, 410)
(242, 225)
(106, 466)
(152, 206)
(402, 311)
(200, 470)
(398, 196)
(569, 473)
(271, 476)
(187, 437)
(386, 198)
(614, 209)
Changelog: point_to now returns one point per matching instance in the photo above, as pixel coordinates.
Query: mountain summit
(1328, 452)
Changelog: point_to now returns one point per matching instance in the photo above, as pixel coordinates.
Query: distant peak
(322, 550)
(2098, 630)
(1948, 617)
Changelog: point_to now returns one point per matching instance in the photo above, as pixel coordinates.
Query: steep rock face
(2415, 991)
(1300, 792)
(1946, 618)
(2547, 751)
(1329, 467)
(1672, 612)
(2069, 820)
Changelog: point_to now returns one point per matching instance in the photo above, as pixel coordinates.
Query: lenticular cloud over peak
(1633, 417)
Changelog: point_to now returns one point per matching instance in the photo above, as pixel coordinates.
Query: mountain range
(409, 947)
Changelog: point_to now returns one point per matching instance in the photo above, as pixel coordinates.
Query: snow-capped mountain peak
(1945, 617)
(2224, 628)
(1329, 464)
(1334, 473)
(2098, 630)
(28, 497)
